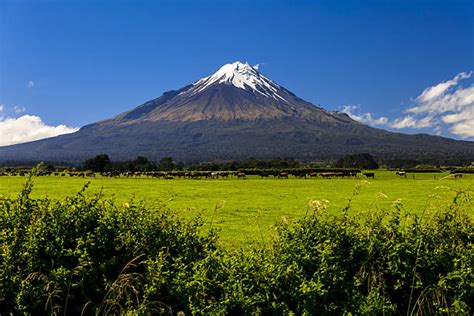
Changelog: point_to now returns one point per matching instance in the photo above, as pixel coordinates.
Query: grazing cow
(401, 173)
(369, 175)
(195, 176)
(313, 175)
(327, 175)
(457, 175)
(282, 175)
(241, 175)
(214, 175)
(264, 175)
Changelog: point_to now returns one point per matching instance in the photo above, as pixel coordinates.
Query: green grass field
(245, 210)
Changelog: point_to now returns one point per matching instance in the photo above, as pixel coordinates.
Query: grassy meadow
(246, 210)
(64, 251)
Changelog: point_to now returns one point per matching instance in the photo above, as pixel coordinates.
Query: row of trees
(103, 163)
(361, 161)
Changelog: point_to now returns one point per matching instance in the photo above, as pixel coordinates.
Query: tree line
(103, 163)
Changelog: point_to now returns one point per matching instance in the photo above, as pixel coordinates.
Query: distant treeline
(103, 163)
(365, 161)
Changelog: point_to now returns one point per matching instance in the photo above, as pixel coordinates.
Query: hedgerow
(86, 254)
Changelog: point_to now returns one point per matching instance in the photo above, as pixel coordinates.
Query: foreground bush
(88, 255)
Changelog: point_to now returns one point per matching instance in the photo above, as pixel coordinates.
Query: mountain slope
(236, 113)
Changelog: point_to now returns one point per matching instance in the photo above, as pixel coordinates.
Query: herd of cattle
(301, 174)
(243, 174)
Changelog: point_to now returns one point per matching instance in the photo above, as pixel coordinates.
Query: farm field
(245, 210)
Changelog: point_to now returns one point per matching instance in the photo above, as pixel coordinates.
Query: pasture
(245, 210)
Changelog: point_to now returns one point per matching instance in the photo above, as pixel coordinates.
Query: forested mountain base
(90, 255)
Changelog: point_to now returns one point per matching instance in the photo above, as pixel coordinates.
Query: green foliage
(87, 254)
(166, 164)
(138, 164)
(391, 264)
(266, 198)
(99, 163)
(361, 161)
(250, 163)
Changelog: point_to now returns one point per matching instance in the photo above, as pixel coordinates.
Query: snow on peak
(243, 76)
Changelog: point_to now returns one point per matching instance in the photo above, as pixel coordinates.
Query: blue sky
(76, 62)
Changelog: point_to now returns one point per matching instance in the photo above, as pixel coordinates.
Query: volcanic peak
(242, 76)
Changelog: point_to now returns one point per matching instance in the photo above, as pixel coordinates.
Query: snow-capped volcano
(236, 91)
(235, 113)
(240, 75)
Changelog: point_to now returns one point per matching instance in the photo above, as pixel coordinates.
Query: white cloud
(464, 115)
(2, 107)
(440, 89)
(404, 122)
(30, 84)
(19, 109)
(462, 122)
(354, 112)
(28, 128)
(445, 105)
(464, 128)
(409, 121)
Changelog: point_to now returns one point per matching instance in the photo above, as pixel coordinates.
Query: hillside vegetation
(88, 254)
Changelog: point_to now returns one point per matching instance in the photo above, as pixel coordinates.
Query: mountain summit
(236, 91)
(240, 75)
(235, 113)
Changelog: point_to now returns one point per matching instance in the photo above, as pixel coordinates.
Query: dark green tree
(361, 161)
(99, 163)
(50, 168)
(141, 160)
(166, 164)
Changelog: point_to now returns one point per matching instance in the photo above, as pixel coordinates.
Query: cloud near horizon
(28, 128)
(446, 106)
(354, 112)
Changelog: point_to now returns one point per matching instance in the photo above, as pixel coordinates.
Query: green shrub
(390, 263)
(88, 255)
